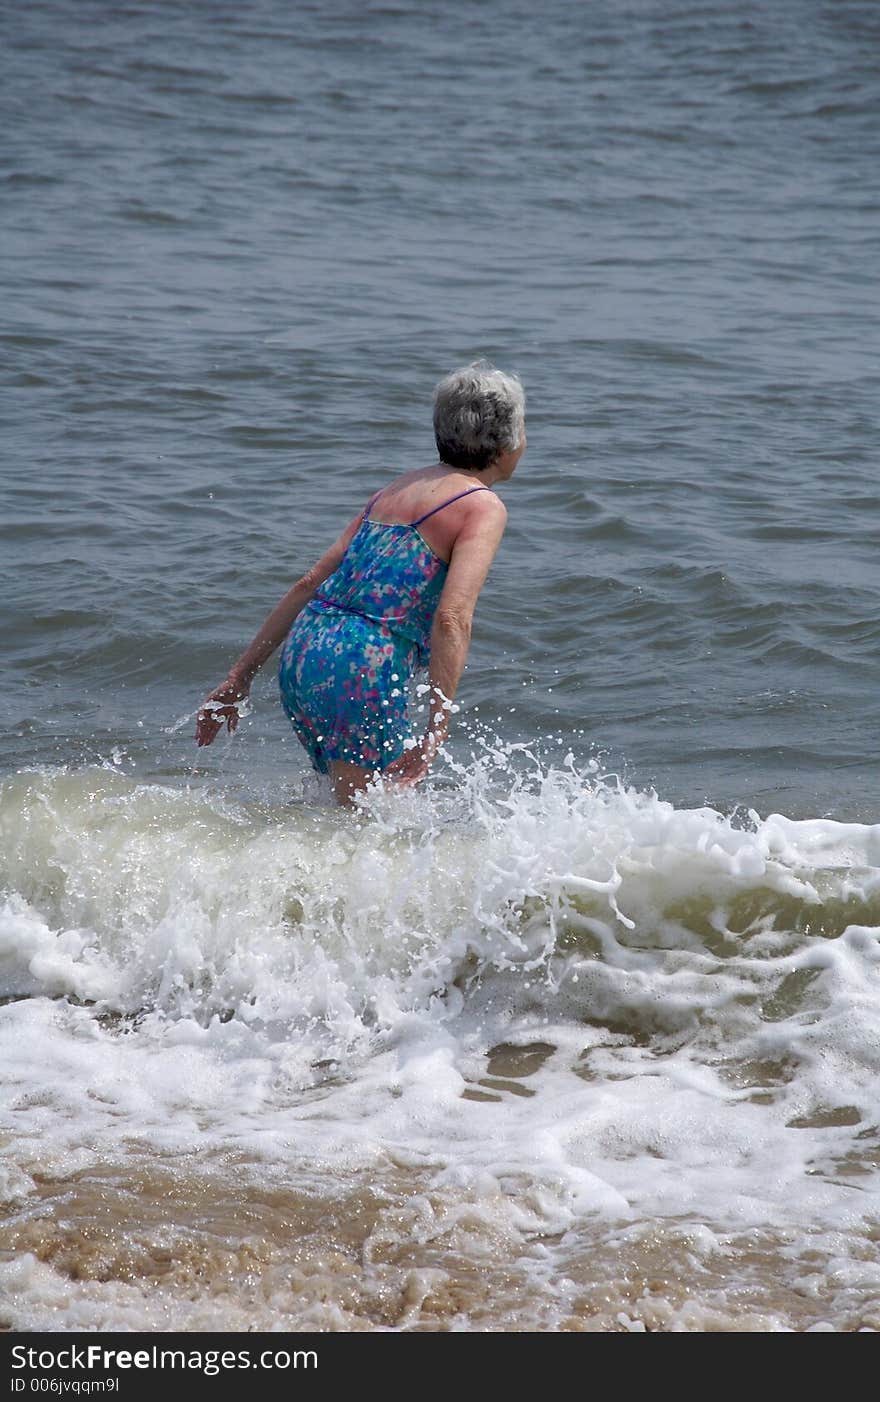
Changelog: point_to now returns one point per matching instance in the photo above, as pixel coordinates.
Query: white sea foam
(555, 999)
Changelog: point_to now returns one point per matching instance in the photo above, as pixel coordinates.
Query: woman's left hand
(221, 705)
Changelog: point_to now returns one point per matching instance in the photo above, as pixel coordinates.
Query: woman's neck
(482, 477)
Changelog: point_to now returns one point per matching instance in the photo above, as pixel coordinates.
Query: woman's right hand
(412, 766)
(222, 705)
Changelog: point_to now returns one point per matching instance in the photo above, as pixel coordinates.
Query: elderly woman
(396, 591)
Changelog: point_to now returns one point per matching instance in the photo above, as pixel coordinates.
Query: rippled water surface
(585, 1035)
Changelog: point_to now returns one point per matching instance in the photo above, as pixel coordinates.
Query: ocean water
(585, 1034)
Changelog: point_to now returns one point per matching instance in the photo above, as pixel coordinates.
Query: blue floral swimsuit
(348, 659)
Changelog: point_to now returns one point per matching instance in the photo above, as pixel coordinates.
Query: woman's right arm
(472, 554)
(221, 704)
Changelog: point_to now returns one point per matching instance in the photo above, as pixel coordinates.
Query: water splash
(551, 995)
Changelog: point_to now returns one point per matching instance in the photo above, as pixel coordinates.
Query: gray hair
(479, 413)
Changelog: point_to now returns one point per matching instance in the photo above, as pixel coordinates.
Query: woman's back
(415, 496)
(390, 574)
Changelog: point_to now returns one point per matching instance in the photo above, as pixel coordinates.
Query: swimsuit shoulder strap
(370, 504)
(469, 492)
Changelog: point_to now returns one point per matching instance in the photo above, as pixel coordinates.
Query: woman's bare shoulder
(488, 501)
(483, 508)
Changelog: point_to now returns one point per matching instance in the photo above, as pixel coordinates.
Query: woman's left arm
(221, 704)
